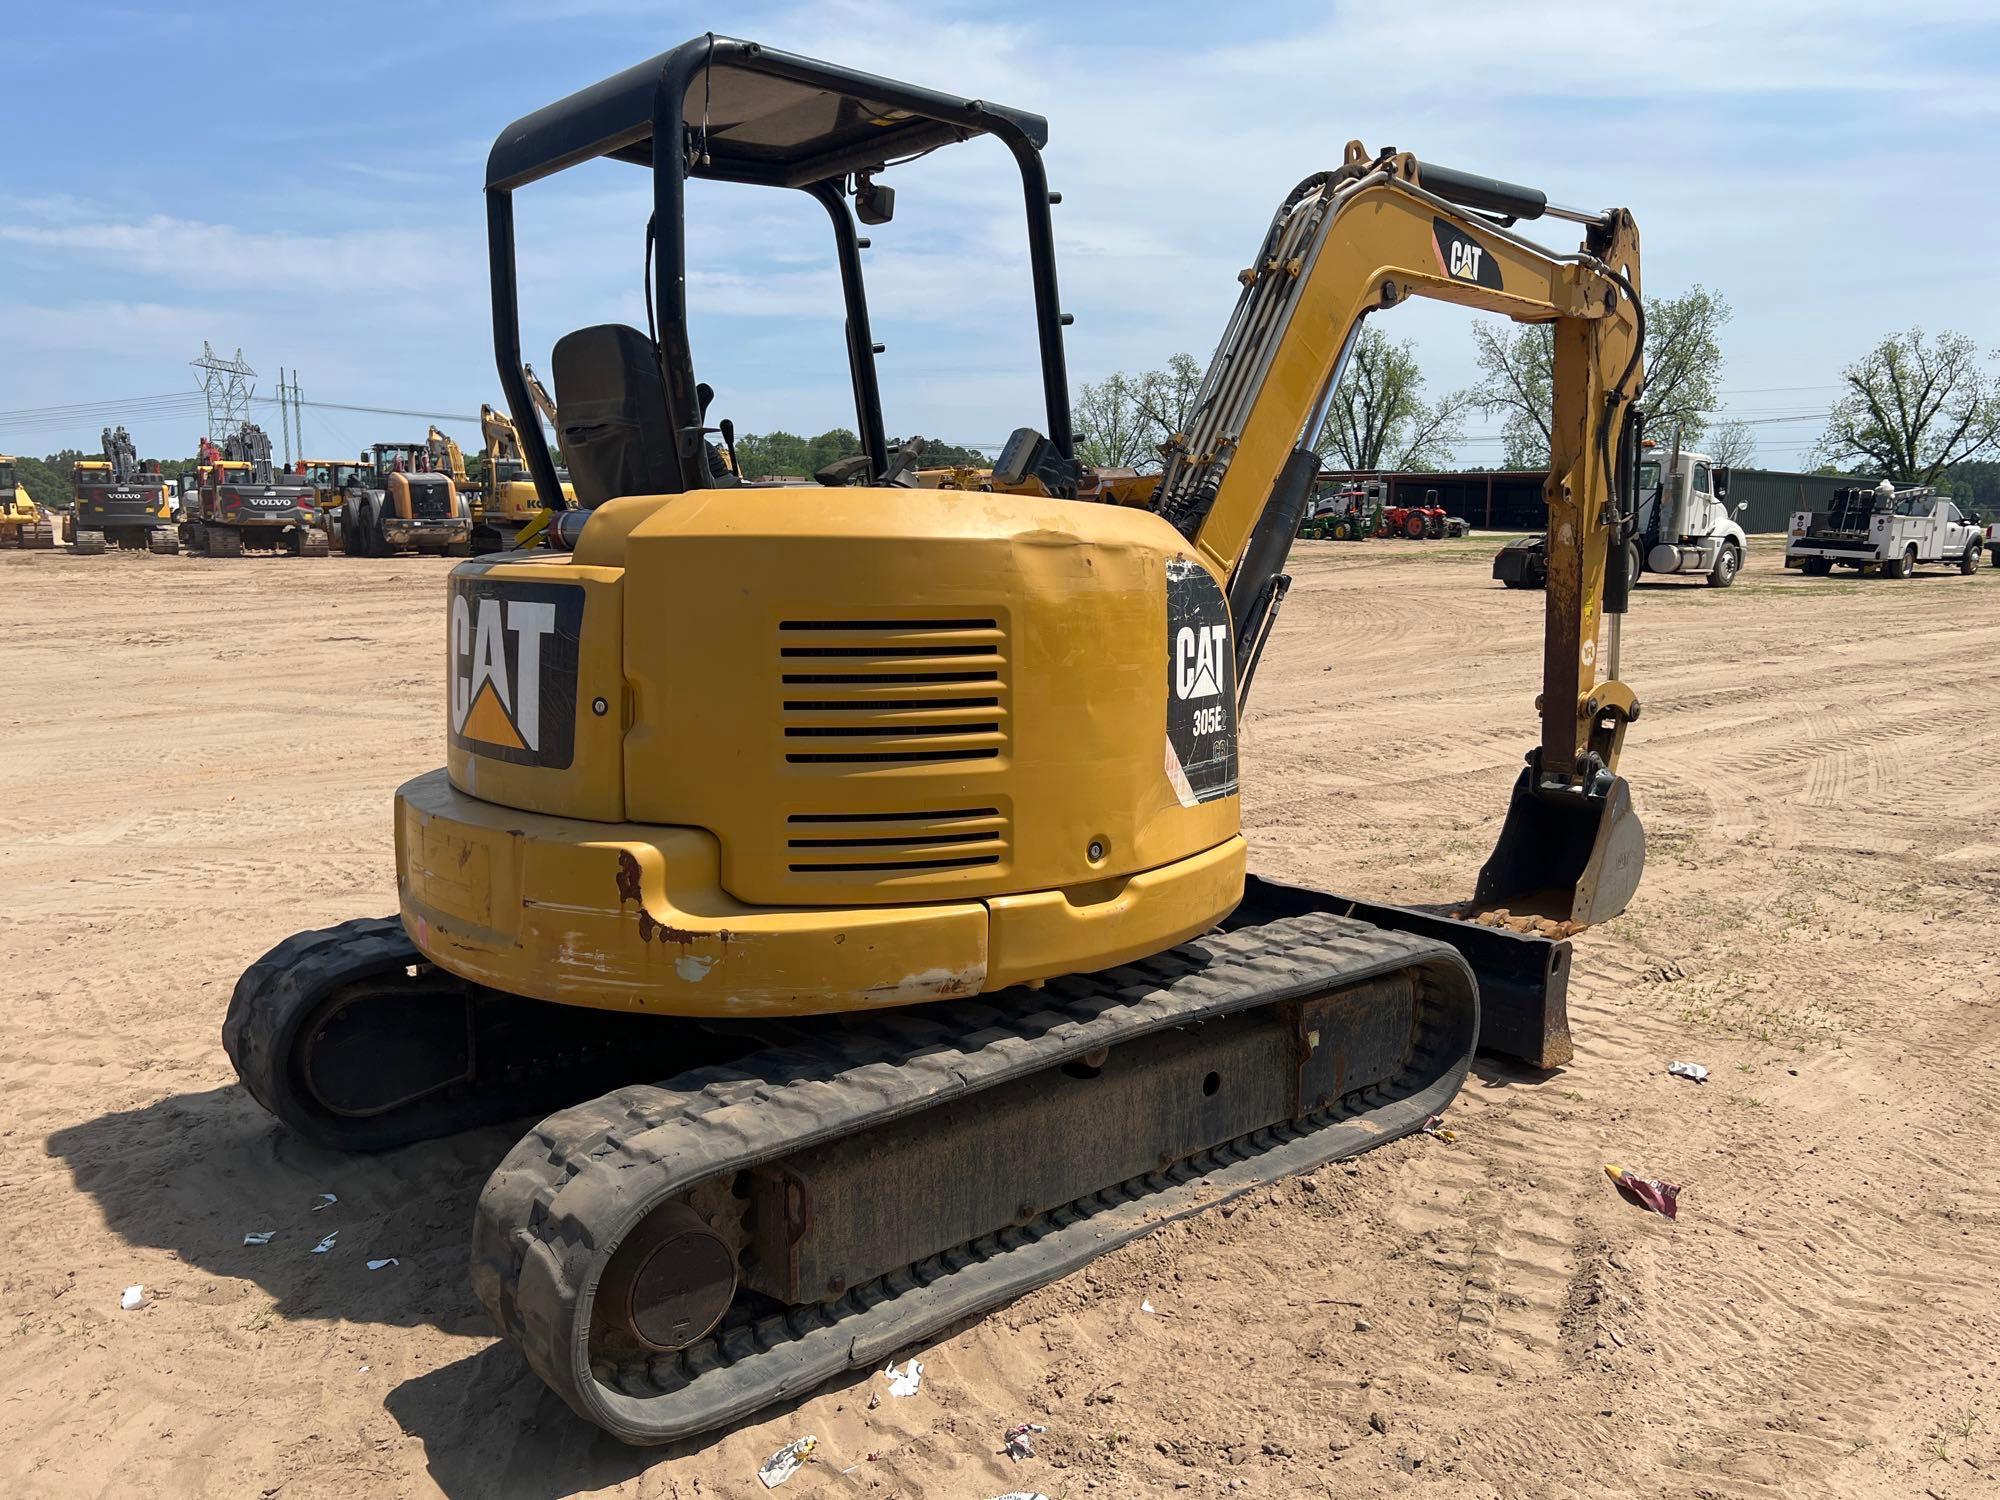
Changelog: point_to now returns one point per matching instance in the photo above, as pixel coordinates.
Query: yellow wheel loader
(22, 523)
(879, 847)
(397, 501)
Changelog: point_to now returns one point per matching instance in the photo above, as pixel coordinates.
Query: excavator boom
(1360, 240)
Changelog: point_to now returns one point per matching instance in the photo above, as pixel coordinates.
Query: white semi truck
(1883, 530)
(1683, 526)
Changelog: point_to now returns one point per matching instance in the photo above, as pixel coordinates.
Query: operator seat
(616, 436)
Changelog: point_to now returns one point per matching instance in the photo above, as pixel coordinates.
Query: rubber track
(557, 1207)
(529, 1056)
(279, 992)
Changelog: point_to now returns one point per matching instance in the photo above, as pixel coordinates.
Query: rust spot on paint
(650, 929)
(628, 879)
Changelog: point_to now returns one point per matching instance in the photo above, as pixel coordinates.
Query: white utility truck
(1684, 526)
(1884, 530)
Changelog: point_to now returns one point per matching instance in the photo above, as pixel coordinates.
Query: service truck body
(1883, 530)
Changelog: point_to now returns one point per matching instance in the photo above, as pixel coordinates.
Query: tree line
(1915, 409)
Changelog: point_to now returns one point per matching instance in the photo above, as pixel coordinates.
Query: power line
(379, 411)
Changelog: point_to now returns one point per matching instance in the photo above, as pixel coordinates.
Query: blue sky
(303, 182)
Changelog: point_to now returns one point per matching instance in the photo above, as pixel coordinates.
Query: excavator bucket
(1568, 855)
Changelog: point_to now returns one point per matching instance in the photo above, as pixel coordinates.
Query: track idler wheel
(667, 1286)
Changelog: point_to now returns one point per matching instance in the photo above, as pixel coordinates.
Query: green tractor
(1345, 512)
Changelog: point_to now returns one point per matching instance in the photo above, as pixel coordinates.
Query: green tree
(1975, 485)
(47, 480)
(1111, 432)
(1684, 361)
(1166, 397)
(765, 455)
(1378, 418)
(1122, 420)
(1683, 373)
(1517, 363)
(831, 446)
(1914, 406)
(939, 455)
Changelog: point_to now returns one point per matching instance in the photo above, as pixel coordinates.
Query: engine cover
(864, 695)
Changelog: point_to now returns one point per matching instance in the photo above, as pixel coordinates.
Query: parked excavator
(120, 502)
(899, 828)
(22, 523)
(509, 505)
(243, 501)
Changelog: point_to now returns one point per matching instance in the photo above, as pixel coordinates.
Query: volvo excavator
(874, 852)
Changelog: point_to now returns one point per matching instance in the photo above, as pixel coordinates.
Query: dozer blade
(1523, 975)
(1569, 855)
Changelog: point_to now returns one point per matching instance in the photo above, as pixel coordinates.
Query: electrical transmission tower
(225, 383)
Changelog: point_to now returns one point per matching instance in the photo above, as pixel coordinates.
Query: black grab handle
(1488, 194)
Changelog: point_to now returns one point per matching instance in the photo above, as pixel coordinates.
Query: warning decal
(1201, 687)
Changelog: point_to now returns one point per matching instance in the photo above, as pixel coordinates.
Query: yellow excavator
(509, 506)
(879, 848)
(22, 523)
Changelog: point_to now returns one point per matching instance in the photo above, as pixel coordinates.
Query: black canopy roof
(764, 116)
(741, 112)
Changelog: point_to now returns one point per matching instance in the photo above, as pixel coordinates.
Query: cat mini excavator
(898, 829)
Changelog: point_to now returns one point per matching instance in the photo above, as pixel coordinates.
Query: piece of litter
(1147, 1307)
(259, 1237)
(326, 1244)
(1648, 1192)
(787, 1461)
(1688, 1070)
(326, 1200)
(874, 1399)
(1022, 1495)
(1020, 1440)
(376, 1265)
(905, 1382)
(135, 1296)
(362, 1371)
(1434, 1126)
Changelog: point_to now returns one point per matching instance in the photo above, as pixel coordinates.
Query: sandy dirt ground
(200, 757)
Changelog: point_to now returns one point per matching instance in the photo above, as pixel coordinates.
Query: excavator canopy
(737, 111)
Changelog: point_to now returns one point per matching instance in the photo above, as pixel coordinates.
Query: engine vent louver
(889, 692)
(881, 693)
(960, 838)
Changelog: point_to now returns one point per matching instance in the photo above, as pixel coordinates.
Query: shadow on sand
(195, 1173)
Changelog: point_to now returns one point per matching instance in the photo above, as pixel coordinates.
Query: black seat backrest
(616, 436)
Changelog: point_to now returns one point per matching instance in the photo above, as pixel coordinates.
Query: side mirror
(1741, 506)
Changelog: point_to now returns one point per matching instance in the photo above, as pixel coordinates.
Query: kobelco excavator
(899, 828)
(510, 506)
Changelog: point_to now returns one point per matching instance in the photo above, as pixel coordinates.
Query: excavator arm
(503, 439)
(1361, 240)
